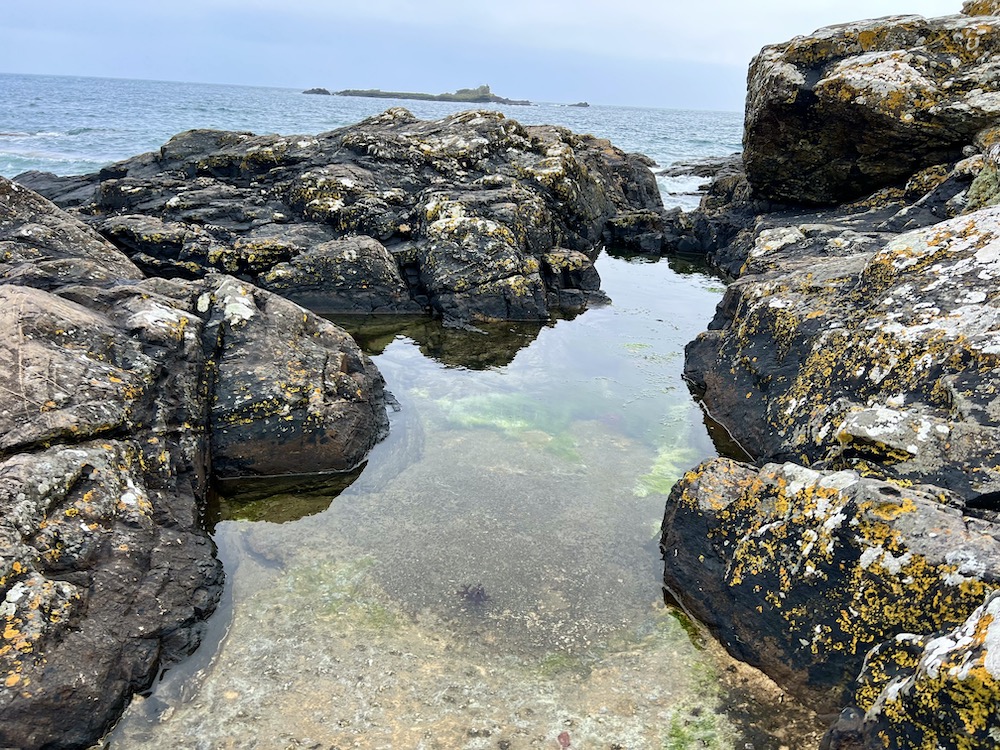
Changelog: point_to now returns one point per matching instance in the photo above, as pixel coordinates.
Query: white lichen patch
(237, 302)
(772, 240)
(885, 80)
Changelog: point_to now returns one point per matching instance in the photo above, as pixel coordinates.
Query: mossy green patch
(670, 464)
(342, 591)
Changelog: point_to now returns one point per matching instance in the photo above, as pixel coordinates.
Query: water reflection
(479, 347)
(276, 499)
(538, 474)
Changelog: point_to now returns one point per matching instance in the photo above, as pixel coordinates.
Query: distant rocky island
(478, 95)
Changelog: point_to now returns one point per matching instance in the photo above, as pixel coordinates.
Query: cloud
(668, 53)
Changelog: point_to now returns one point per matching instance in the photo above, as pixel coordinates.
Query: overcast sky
(663, 53)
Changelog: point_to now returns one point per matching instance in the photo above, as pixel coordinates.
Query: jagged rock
(116, 393)
(801, 572)
(352, 275)
(981, 8)
(466, 205)
(852, 108)
(884, 359)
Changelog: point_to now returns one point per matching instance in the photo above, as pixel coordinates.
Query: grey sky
(644, 52)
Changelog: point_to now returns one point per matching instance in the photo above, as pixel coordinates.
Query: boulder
(351, 275)
(292, 393)
(853, 351)
(800, 572)
(120, 398)
(852, 108)
(465, 206)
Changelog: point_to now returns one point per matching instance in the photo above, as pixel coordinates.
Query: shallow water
(529, 461)
(492, 578)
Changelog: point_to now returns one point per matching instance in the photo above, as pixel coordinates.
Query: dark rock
(708, 166)
(800, 572)
(116, 394)
(847, 733)
(937, 691)
(863, 352)
(318, 90)
(333, 277)
(852, 108)
(466, 206)
(855, 359)
(292, 392)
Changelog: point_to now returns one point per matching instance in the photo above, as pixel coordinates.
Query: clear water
(491, 578)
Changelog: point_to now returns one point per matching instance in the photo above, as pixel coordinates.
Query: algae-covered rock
(465, 206)
(852, 108)
(883, 360)
(116, 394)
(355, 275)
(801, 572)
(943, 690)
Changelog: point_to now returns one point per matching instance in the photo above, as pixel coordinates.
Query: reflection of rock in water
(290, 498)
(478, 347)
(279, 499)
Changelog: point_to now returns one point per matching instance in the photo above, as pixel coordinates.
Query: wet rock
(852, 108)
(465, 206)
(801, 572)
(292, 393)
(116, 395)
(709, 166)
(353, 275)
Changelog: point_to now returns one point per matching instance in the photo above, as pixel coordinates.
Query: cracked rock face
(848, 109)
(119, 398)
(393, 214)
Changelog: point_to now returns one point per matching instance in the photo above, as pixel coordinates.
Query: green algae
(670, 464)
(342, 592)
(542, 424)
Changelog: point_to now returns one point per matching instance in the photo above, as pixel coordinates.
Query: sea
(491, 577)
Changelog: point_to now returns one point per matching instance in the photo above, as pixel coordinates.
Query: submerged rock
(121, 396)
(452, 215)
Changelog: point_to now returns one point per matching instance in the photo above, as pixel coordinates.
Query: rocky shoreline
(155, 343)
(163, 332)
(855, 360)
